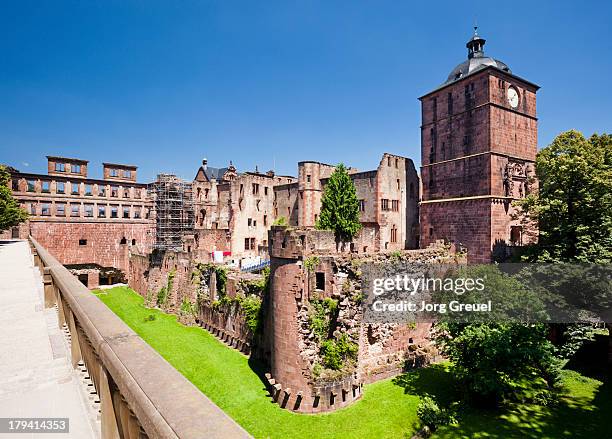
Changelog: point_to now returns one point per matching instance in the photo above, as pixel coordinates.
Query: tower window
(516, 233)
(320, 281)
(82, 241)
(435, 108)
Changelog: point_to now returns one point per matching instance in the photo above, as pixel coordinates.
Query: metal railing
(141, 394)
(255, 267)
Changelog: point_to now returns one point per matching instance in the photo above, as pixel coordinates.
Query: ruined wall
(306, 272)
(244, 206)
(398, 216)
(194, 294)
(310, 175)
(105, 244)
(208, 241)
(286, 203)
(252, 214)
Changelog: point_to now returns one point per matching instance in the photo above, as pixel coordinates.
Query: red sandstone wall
(103, 241)
(287, 285)
(467, 222)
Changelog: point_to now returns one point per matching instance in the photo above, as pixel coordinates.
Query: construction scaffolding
(174, 211)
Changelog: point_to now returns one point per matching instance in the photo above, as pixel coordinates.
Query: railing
(255, 267)
(141, 394)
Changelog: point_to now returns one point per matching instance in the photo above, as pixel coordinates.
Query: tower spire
(476, 44)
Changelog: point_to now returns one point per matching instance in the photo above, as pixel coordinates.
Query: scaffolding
(174, 211)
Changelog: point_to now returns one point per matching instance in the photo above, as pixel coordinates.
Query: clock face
(513, 97)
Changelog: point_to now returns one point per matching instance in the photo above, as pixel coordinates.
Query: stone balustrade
(141, 394)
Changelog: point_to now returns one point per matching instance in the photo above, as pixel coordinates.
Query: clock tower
(478, 148)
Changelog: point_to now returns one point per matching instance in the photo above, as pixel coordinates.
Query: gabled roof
(210, 173)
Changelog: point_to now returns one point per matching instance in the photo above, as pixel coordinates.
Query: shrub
(162, 296)
(498, 358)
(336, 353)
(221, 279)
(321, 314)
(432, 415)
(311, 263)
(280, 221)
(260, 286)
(150, 318)
(396, 255)
(187, 306)
(251, 306)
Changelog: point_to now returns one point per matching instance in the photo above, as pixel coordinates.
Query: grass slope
(387, 408)
(226, 377)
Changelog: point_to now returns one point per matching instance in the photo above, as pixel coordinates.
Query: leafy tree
(574, 214)
(503, 361)
(503, 355)
(574, 205)
(10, 212)
(340, 206)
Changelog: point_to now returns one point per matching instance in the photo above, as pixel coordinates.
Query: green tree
(573, 208)
(340, 206)
(10, 212)
(503, 355)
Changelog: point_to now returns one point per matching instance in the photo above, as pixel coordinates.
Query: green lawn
(226, 377)
(387, 409)
(585, 412)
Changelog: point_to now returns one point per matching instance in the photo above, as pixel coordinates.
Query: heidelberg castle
(478, 148)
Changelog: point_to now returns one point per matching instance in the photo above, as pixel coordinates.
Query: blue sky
(163, 84)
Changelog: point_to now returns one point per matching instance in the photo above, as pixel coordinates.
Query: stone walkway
(36, 377)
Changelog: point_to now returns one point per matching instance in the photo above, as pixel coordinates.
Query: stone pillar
(49, 288)
(212, 286)
(93, 280)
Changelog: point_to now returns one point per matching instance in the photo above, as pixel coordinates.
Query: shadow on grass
(435, 380)
(583, 411)
(260, 368)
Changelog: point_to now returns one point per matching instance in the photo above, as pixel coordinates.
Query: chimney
(205, 164)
